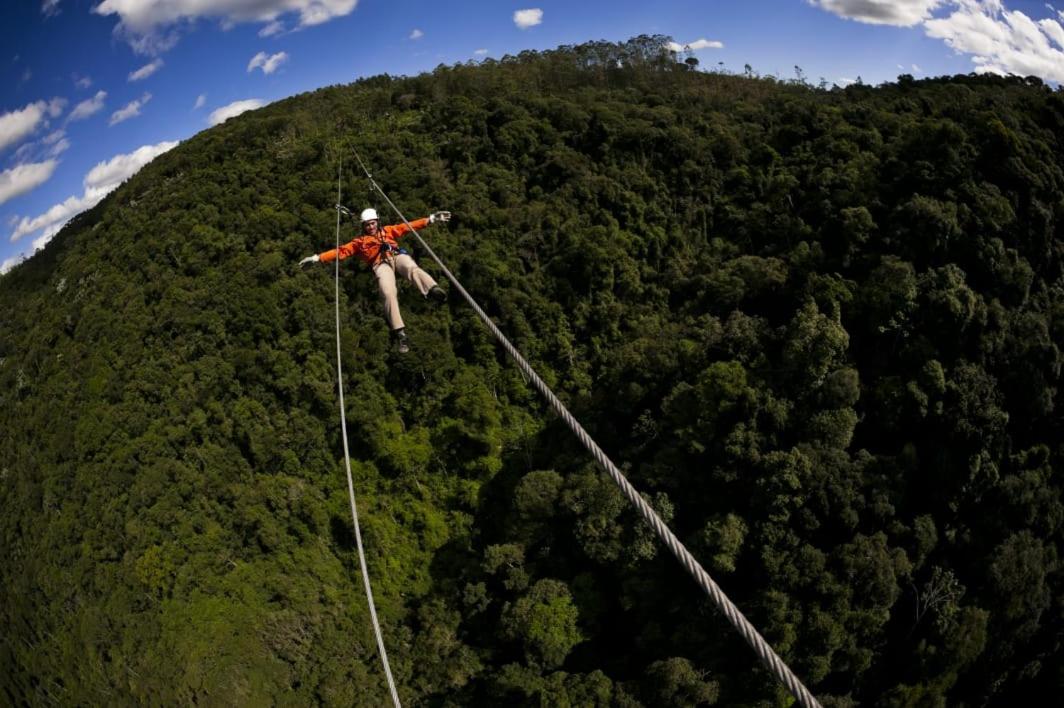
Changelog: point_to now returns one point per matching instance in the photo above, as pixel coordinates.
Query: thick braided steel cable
(761, 647)
(347, 465)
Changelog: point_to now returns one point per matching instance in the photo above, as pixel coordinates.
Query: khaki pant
(385, 271)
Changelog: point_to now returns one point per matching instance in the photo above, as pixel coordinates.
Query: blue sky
(93, 89)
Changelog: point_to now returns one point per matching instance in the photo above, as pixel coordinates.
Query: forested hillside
(820, 329)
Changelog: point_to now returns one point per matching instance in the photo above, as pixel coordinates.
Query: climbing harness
(388, 253)
(347, 463)
(768, 656)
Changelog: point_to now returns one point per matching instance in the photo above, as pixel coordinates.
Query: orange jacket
(368, 248)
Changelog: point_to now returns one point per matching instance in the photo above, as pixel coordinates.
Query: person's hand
(439, 216)
(309, 259)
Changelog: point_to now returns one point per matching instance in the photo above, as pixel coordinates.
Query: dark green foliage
(544, 621)
(821, 330)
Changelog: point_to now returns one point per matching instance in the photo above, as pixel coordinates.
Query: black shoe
(401, 345)
(437, 293)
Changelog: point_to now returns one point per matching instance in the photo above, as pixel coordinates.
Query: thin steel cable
(347, 465)
(761, 647)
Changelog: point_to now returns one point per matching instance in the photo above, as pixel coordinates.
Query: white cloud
(57, 142)
(1053, 30)
(53, 137)
(88, 107)
(843, 81)
(144, 23)
(1002, 41)
(56, 106)
(999, 40)
(696, 45)
(528, 18)
(105, 176)
(50, 8)
(901, 13)
(22, 154)
(481, 51)
(59, 148)
(917, 69)
(82, 82)
(99, 182)
(130, 110)
(234, 109)
(10, 263)
(42, 240)
(52, 145)
(54, 217)
(23, 178)
(200, 100)
(416, 34)
(275, 27)
(152, 43)
(268, 64)
(146, 70)
(16, 125)
(257, 61)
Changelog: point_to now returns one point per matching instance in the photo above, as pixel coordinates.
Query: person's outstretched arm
(396, 230)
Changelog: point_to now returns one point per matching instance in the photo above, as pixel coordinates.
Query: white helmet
(369, 215)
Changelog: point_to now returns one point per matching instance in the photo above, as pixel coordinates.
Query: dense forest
(820, 329)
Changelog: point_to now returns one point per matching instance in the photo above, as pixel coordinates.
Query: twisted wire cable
(347, 465)
(761, 647)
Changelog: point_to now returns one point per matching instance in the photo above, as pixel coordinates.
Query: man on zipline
(378, 247)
